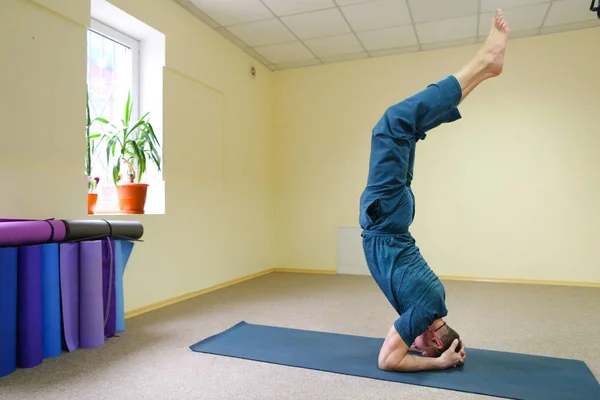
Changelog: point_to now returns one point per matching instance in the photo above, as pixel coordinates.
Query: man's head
(437, 339)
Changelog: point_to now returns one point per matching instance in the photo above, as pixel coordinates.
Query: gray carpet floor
(152, 359)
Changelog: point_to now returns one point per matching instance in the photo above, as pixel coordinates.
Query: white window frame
(102, 29)
(134, 45)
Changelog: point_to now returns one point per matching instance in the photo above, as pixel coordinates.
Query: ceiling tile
(348, 2)
(447, 30)
(390, 52)
(187, 4)
(518, 19)
(289, 7)
(569, 11)
(262, 33)
(317, 24)
(234, 39)
(334, 45)
(435, 10)
(401, 36)
(232, 12)
(377, 14)
(449, 43)
(299, 64)
(515, 34)
(258, 57)
(285, 52)
(345, 57)
(592, 23)
(493, 5)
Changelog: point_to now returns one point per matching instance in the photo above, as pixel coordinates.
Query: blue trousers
(387, 207)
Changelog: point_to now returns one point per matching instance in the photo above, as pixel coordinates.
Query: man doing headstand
(387, 209)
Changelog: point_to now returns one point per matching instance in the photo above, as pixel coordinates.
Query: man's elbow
(386, 364)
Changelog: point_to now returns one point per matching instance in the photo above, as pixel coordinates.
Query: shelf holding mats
(61, 286)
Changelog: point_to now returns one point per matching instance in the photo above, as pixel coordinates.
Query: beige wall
(217, 135)
(510, 191)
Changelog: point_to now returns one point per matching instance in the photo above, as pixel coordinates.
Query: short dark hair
(447, 336)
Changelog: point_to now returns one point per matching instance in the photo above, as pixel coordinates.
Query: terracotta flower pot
(132, 197)
(92, 199)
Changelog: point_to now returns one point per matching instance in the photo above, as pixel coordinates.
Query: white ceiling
(283, 34)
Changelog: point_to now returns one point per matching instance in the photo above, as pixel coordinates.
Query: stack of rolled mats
(61, 286)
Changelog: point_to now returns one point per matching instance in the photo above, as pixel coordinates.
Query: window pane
(109, 79)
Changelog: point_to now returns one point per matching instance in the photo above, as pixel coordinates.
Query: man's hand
(450, 358)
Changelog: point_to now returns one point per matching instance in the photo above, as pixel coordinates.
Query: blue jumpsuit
(387, 207)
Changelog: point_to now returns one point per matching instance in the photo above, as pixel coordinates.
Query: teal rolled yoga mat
(123, 249)
(51, 315)
(8, 310)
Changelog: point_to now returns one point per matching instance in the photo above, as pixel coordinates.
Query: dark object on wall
(595, 8)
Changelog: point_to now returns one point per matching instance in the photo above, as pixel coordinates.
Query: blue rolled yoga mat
(51, 315)
(8, 310)
(123, 250)
(29, 307)
(486, 372)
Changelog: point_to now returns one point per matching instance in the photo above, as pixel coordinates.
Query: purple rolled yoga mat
(91, 309)
(29, 307)
(20, 232)
(69, 293)
(108, 280)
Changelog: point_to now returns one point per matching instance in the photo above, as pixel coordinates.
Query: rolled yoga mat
(29, 306)
(20, 232)
(77, 230)
(91, 310)
(8, 310)
(69, 293)
(493, 373)
(108, 287)
(123, 250)
(51, 315)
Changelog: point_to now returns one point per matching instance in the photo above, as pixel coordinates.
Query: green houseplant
(133, 144)
(89, 153)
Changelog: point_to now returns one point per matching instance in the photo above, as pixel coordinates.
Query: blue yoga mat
(51, 315)
(123, 249)
(8, 310)
(486, 372)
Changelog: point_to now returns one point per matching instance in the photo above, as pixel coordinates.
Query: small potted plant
(132, 145)
(90, 152)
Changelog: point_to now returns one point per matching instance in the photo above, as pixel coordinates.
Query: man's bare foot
(492, 52)
(489, 60)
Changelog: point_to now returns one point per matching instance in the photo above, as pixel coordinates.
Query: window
(126, 57)
(112, 73)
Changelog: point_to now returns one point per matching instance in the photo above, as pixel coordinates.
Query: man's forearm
(411, 363)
